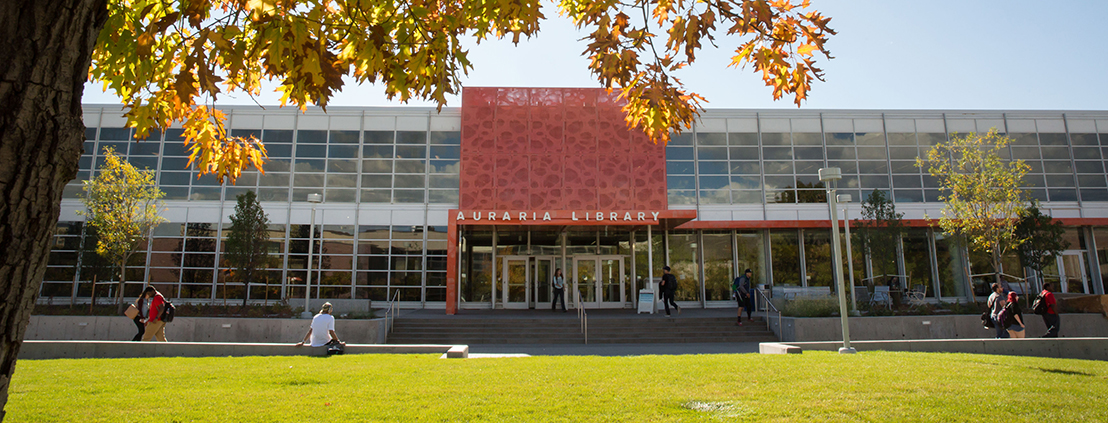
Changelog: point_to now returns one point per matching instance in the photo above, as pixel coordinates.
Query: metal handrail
(769, 305)
(390, 313)
(583, 316)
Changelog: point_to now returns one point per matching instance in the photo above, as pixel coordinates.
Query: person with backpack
(1013, 317)
(996, 303)
(322, 331)
(668, 287)
(155, 323)
(1050, 314)
(740, 291)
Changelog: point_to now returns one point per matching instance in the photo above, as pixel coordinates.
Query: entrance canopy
(662, 219)
(549, 226)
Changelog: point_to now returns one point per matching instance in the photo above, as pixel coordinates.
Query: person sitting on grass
(322, 332)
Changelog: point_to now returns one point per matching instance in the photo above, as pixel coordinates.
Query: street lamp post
(829, 176)
(845, 198)
(307, 314)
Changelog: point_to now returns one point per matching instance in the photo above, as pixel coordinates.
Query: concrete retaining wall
(200, 329)
(1079, 348)
(807, 329)
(43, 350)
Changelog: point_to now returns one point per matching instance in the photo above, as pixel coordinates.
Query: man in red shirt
(155, 327)
(1050, 318)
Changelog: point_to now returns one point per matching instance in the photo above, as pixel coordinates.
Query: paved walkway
(612, 350)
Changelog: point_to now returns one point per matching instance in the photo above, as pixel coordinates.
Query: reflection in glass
(917, 259)
(785, 250)
(586, 280)
(817, 257)
(682, 259)
(718, 268)
(952, 268)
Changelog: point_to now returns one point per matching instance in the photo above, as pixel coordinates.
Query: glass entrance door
(543, 280)
(514, 287)
(600, 281)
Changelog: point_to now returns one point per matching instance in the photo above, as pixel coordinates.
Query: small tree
(981, 190)
(247, 244)
(122, 204)
(1042, 238)
(879, 231)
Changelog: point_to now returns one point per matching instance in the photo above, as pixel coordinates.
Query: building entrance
(527, 281)
(601, 281)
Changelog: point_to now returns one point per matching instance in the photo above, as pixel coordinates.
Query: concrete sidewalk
(614, 350)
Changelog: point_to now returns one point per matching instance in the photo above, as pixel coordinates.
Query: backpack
(1003, 316)
(987, 320)
(168, 311)
(335, 349)
(1039, 306)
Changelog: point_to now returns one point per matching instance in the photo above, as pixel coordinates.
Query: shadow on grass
(1065, 372)
(301, 382)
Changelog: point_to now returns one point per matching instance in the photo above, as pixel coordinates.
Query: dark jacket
(741, 285)
(669, 283)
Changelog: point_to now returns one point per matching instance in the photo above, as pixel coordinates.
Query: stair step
(557, 329)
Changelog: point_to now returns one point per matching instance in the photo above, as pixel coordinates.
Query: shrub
(810, 307)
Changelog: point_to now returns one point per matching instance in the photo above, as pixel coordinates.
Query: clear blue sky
(935, 54)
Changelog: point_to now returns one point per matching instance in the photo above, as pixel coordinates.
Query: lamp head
(843, 198)
(829, 174)
(315, 198)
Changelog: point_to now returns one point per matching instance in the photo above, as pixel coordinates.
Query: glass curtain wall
(683, 250)
(785, 251)
(1100, 236)
(751, 251)
(952, 266)
(719, 268)
(642, 262)
(917, 260)
(817, 257)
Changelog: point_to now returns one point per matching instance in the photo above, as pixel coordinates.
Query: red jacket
(1048, 297)
(155, 313)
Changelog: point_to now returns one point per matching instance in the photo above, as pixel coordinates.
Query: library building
(476, 207)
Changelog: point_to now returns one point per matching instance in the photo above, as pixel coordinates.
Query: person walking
(1013, 320)
(155, 326)
(559, 291)
(668, 288)
(322, 331)
(741, 291)
(1050, 318)
(140, 318)
(996, 303)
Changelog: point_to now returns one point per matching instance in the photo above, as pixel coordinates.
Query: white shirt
(559, 282)
(322, 325)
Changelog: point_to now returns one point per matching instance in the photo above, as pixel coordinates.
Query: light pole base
(306, 315)
(850, 350)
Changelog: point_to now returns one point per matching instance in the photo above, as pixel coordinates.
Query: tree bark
(46, 48)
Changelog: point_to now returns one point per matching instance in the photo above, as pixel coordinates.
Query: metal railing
(767, 306)
(583, 316)
(390, 313)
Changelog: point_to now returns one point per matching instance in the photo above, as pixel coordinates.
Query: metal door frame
(599, 287)
(526, 303)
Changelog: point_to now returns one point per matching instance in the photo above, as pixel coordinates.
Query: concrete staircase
(566, 330)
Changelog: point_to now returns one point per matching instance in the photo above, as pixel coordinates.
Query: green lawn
(815, 386)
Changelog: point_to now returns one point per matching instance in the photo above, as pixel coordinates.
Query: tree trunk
(246, 289)
(122, 283)
(46, 48)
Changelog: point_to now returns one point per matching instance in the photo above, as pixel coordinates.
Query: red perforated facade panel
(555, 149)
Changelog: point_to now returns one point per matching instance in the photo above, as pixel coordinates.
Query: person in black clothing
(669, 287)
(741, 289)
(140, 318)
